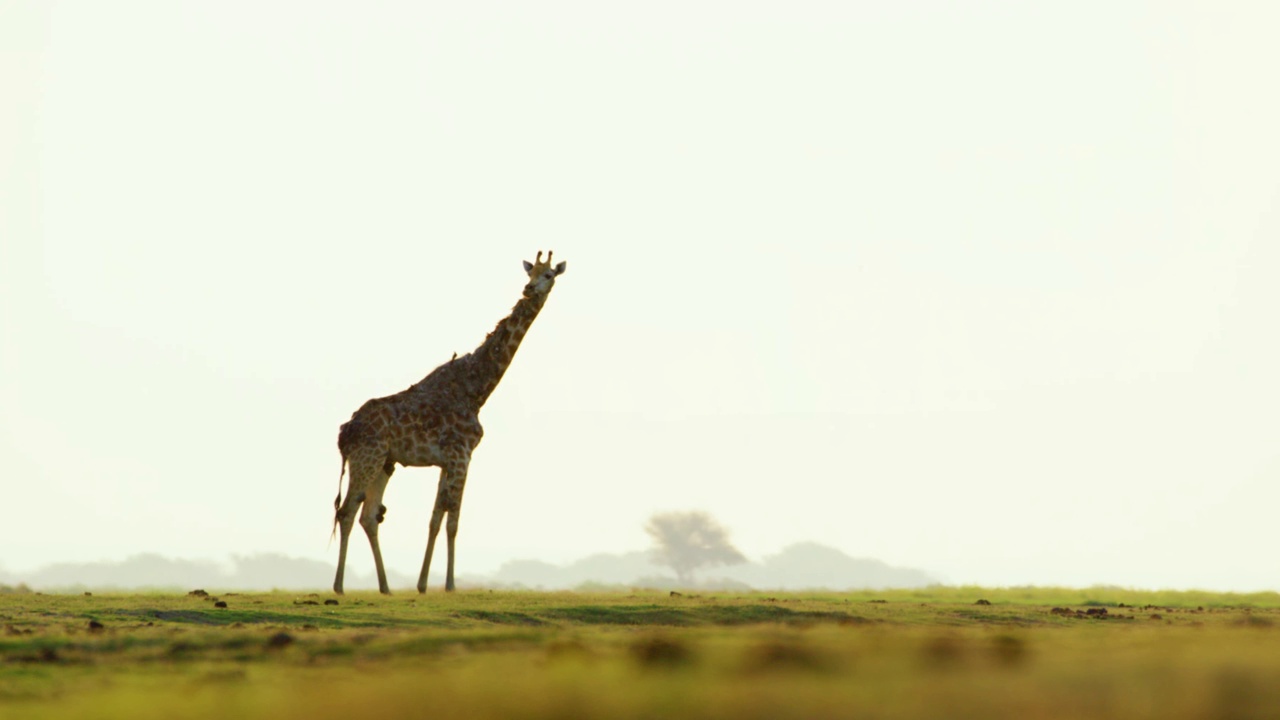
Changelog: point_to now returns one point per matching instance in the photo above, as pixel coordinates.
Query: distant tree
(686, 541)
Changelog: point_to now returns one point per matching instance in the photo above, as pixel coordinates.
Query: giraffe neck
(498, 349)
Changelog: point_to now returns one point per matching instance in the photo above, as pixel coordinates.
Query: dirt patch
(185, 616)
(1093, 613)
(500, 618)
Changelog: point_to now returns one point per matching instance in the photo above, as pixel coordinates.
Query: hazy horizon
(797, 567)
(980, 289)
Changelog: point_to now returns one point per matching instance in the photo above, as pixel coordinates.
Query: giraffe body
(433, 423)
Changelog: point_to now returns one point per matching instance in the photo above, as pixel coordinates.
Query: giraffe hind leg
(364, 463)
(370, 515)
(345, 517)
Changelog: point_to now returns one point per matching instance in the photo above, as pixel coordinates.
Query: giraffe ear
(560, 268)
(528, 266)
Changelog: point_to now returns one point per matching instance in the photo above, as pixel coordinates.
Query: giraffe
(435, 422)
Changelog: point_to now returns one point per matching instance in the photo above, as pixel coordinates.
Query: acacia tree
(686, 541)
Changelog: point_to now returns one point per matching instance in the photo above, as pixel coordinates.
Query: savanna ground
(936, 653)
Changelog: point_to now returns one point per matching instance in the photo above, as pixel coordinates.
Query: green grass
(934, 653)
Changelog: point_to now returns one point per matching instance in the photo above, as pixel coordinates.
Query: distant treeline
(798, 567)
(802, 566)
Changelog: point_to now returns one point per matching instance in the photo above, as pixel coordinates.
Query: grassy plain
(935, 653)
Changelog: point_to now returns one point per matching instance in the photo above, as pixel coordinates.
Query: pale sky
(987, 289)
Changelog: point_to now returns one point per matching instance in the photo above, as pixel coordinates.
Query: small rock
(198, 593)
(88, 594)
(95, 626)
(660, 651)
(676, 594)
(330, 601)
(220, 604)
(279, 640)
(983, 601)
(1156, 616)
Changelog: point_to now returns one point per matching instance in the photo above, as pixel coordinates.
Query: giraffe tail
(348, 434)
(337, 500)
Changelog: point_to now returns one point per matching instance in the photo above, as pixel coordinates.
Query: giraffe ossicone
(433, 423)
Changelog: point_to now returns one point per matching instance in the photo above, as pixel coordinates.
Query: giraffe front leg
(452, 532)
(453, 476)
(457, 482)
(436, 516)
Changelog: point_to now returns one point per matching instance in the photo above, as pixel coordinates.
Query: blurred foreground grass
(936, 653)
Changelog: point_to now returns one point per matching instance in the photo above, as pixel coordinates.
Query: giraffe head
(542, 277)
